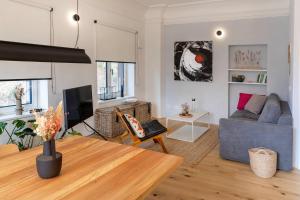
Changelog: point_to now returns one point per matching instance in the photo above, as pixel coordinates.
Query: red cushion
(244, 98)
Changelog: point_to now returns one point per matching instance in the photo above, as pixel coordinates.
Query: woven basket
(263, 162)
(108, 124)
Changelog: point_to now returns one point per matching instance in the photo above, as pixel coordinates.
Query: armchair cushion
(153, 128)
(135, 125)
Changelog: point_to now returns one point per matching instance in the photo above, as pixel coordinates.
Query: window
(115, 80)
(7, 89)
(36, 95)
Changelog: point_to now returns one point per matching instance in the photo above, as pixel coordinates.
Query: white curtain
(23, 23)
(115, 44)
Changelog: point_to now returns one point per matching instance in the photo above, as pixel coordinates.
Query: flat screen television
(78, 105)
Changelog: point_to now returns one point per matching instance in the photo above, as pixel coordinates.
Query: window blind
(115, 44)
(27, 24)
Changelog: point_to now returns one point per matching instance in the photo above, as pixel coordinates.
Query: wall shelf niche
(248, 83)
(247, 72)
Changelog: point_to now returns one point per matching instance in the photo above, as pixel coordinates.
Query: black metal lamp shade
(15, 51)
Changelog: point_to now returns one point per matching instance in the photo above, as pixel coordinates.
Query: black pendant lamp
(16, 51)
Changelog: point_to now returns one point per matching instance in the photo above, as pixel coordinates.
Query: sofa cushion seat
(244, 114)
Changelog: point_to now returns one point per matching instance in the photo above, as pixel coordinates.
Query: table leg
(208, 120)
(167, 123)
(193, 131)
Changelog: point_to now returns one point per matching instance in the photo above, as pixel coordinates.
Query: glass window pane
(115, 80)
(115, 76)
(129, 79)
(101, 77)
(7, 89)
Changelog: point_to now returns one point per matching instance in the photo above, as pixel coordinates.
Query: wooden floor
(208, 177)
(205, 176)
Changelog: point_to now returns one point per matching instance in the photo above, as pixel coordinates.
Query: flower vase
(19, 108)
(49, 163)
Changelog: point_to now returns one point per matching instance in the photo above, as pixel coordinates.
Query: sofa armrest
(237, 136)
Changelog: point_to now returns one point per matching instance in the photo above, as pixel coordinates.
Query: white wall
(213, 97)
(126, 14)
(154, 59)
(295, 77)
(205, 11)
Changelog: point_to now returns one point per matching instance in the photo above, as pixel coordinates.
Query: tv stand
(85, 123)
(95, 131)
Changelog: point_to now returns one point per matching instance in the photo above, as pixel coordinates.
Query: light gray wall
(295, 79)
(213, 97)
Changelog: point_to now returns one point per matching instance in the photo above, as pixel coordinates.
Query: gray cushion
(256, 103)
(244, 114)
(272, 110)
(286, 114)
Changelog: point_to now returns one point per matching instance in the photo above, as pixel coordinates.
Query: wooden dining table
(91, 169)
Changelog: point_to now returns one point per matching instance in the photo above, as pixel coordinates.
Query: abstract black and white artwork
(193, 61)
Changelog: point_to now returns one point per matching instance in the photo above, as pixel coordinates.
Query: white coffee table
(189, 133)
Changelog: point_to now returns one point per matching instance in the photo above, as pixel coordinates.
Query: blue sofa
(271, 129)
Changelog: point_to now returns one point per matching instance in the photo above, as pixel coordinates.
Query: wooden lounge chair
(153, 131)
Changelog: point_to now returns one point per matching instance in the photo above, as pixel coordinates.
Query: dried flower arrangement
(185, 109)
(49, 123)
(19, 92)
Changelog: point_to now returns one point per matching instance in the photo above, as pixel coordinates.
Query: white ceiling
(173, 2)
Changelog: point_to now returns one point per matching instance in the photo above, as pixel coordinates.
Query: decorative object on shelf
(238, 78)
(35, 110)
(185, 110)
(193, 109)
(109, 93)
(21, 134)
(19, 93)
(47, 126)
(248, 58)
(193, 61)
(186, 115)
(262, 78)
(263, 162)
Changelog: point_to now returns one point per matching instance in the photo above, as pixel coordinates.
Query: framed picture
(248, 56)
(193, 61)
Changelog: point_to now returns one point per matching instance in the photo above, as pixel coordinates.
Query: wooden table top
(92, 169)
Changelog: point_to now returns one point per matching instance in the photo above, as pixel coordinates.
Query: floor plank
(205, 176)
(208, 177)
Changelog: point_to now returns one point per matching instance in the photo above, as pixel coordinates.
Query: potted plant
(21, 134)
(47, 126)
